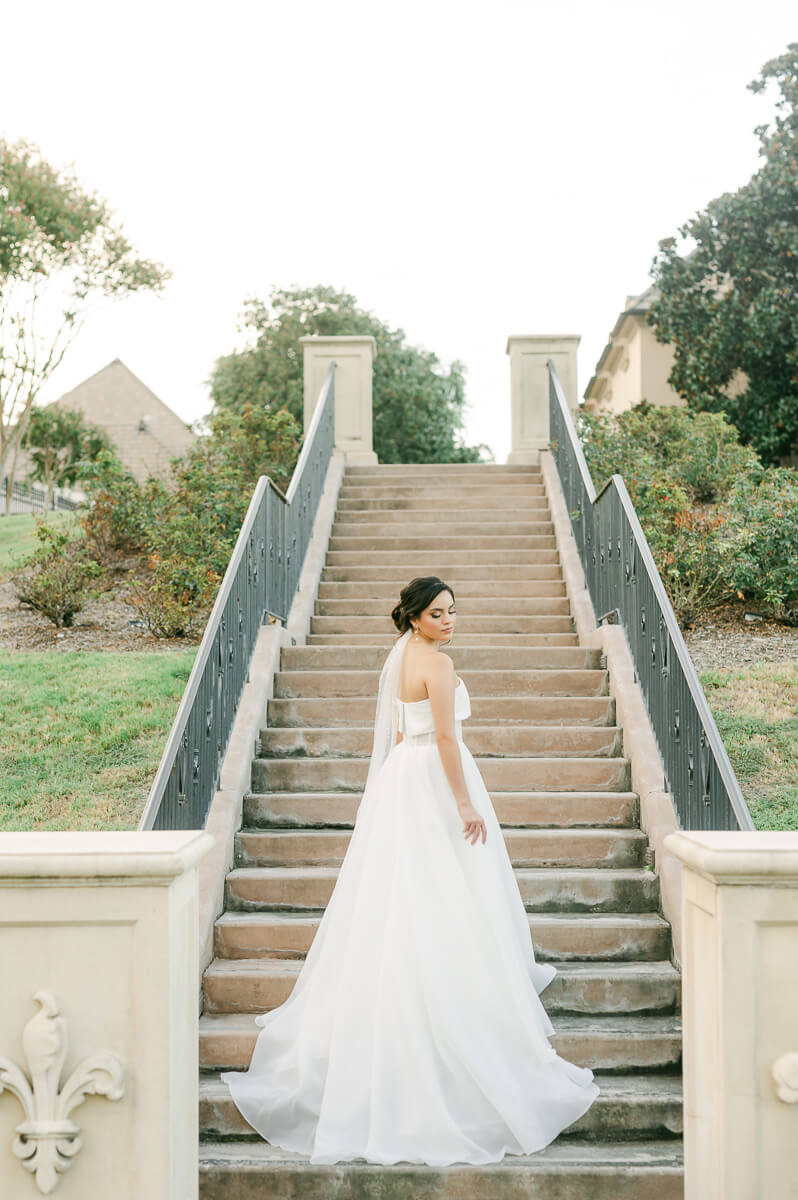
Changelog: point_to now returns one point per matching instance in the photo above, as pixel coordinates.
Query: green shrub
(694, 547)
(698, 565)
(765, 505)
(116, 520)
(177, 596)
(699, 451)
(188, 530)
(59, 577)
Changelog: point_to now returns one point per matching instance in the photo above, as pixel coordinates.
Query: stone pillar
(98, 961)
(529, 389)
(353, 357)
(740, 1013)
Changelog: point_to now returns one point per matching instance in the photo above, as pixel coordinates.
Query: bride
(415, 1032)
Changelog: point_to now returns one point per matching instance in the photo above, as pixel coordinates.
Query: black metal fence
(260, 581)
(626, 588)
(29, 498)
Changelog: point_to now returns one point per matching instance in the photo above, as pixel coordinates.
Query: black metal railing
(626, 588)
(26, 497)
(260, 581)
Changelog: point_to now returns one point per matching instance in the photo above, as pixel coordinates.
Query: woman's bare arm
(441, 683)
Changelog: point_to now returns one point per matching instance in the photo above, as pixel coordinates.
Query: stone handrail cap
(90, 855)
(336, 339)
(738, 856)
(542, 339)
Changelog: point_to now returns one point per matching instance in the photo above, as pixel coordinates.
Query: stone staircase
(543, 732)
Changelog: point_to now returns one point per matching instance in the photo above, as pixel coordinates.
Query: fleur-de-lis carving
(47, 1140)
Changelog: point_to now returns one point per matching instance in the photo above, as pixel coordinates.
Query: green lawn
(756, 710)
(18, 536)
(82, 734)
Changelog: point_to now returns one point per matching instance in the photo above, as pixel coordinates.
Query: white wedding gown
(415, 1032)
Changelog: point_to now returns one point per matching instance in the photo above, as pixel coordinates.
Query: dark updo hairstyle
(415, 597)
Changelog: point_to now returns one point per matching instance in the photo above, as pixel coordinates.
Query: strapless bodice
(415, 716)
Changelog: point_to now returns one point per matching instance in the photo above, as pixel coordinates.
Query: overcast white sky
(466, 169)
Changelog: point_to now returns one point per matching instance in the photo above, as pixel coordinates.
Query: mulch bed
(111, 622)
(727, 638)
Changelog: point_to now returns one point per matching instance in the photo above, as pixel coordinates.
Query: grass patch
(756, 710)
(18, 536)
(82, 735)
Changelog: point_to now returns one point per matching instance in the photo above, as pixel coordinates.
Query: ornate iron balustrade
(626, 588)
(260, 581)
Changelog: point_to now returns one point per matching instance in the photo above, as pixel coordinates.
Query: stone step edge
(649, 919)
(568, 1157)
(645, 1085)
(625, 832)
(618, 759)
(658, 968)
(621, 874)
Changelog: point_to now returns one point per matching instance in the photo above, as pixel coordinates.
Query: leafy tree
(732, 303)
(61, 441)
(59, 250)
(418, 404)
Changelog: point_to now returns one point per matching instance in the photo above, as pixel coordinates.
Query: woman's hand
(473, 823)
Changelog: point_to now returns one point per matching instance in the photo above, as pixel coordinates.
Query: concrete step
(433, 519)
(558, 889)
(259, 984)
(465, 658)
(609, 774)
(397, 573)
(567, 1169)
(522, 809)
(491, 500)
(369, 543)
(568, 681)
(526, 847)
(463, 639)
(609, 936)
(547, 598)
(485, 710)
(616, 1042)
(434, 561)
(442, 470)
(478, 589)
(510, 741)
(383, 625)
(449, 492)
(347, 525)
(628, 1107)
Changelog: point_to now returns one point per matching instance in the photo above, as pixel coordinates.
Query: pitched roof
(146, 432)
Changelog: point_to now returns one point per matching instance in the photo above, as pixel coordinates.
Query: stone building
(146, 433)
(633, 364)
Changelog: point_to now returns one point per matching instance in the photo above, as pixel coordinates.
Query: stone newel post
(529, 388)
(740, 1013)
(353, 357)
(99, 1015)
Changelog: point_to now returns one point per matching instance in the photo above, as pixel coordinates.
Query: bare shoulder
(439, 669)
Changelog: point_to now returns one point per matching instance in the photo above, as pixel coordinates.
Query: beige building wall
(656, 364)
(633, 366)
